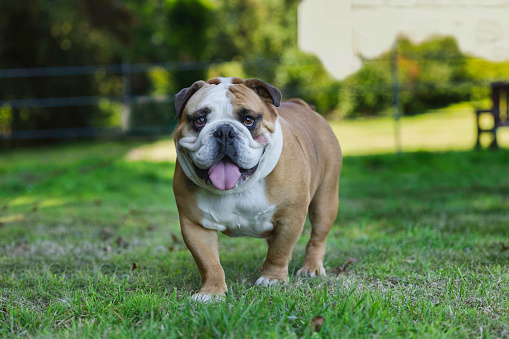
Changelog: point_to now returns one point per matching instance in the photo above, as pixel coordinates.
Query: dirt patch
(163, 150)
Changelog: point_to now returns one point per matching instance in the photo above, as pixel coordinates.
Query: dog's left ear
(184, 95)
(267, 92)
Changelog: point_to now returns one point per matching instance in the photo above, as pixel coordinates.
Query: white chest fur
(241, 214)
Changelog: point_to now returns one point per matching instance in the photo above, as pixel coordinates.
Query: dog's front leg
(203, 245)
(281, 244)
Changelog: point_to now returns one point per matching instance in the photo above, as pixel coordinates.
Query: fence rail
(127, 99)
(106, 69)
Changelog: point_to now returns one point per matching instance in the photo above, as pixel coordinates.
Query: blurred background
(90, 242)
(109, 69)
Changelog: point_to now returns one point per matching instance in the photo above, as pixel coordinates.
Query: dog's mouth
(225, 174)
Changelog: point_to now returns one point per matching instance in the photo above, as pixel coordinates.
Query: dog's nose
(225, 133)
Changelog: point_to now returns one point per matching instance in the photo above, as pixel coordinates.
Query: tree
(58, 33)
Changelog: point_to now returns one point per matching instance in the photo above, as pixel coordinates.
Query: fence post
(396, 98)
(126, 95)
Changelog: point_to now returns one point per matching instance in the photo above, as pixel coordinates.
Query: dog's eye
(200, 122)
(248, 121)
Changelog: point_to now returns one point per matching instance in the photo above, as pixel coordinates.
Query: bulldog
(249, 165)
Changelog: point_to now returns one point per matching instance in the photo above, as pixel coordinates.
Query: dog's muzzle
(225, 173)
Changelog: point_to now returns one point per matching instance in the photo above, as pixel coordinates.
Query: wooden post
(495, 99)
(479, 131)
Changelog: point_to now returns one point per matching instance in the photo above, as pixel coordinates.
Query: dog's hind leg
(322, 214)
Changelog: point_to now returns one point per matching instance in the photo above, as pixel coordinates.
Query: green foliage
(426, 229)
(436, 77)
(484, 72)
(432, 74)
(303, 75)
(57, 33)
(254, 29)
(227, 69)
(161, 80)
(366, 92)
(5, 120)
(480, 69)
(175, 31)
(261, 36)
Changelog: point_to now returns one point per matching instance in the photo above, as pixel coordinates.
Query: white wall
(339, 30)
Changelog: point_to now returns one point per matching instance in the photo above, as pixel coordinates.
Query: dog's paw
(307, 271)
(264, 281)
(207, 297)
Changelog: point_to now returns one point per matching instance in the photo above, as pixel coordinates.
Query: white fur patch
(305, 272)
(268, 157)
(219, 103)
(264, 281)
(247, 213)
(206, 298)
(226, 81)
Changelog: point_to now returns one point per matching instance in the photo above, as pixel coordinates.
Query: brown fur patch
(237, 81)
(266, 234)
(215, 81)
(245, 97)
(302, 102)
(185, 197)
(309, 142)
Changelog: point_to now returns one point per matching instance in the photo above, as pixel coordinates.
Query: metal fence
(127, 100)
(125, 70)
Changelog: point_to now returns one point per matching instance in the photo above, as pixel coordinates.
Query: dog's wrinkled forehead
(216, 98)
(222, 95)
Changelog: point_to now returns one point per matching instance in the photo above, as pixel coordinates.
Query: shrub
(431, 74)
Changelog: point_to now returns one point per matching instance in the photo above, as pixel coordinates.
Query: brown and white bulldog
(249, 165)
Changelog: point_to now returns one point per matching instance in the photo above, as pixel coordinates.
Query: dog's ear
(267, 92)
(184, 95)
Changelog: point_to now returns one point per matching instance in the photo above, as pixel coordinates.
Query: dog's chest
(238, 214)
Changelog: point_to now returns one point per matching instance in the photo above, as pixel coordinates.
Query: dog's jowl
(251, 165)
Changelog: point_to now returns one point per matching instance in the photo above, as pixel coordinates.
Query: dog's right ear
(184, 95)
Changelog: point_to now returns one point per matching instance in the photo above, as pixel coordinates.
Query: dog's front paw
(265, 281)
(207, 297)
(311, 271)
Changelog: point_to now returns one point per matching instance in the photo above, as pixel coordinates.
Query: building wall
(340, 30)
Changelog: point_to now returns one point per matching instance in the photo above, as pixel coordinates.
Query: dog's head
(228, 134)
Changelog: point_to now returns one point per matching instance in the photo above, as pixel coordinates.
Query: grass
(451, 128)
(429, 231)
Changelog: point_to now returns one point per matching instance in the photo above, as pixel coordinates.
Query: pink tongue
(224, 175)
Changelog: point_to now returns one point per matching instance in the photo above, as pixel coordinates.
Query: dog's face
(226, 126)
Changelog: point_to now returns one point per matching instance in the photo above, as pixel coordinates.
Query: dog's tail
(302, 102)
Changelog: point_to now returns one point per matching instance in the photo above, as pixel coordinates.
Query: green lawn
(451, 128)
(429, 231)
